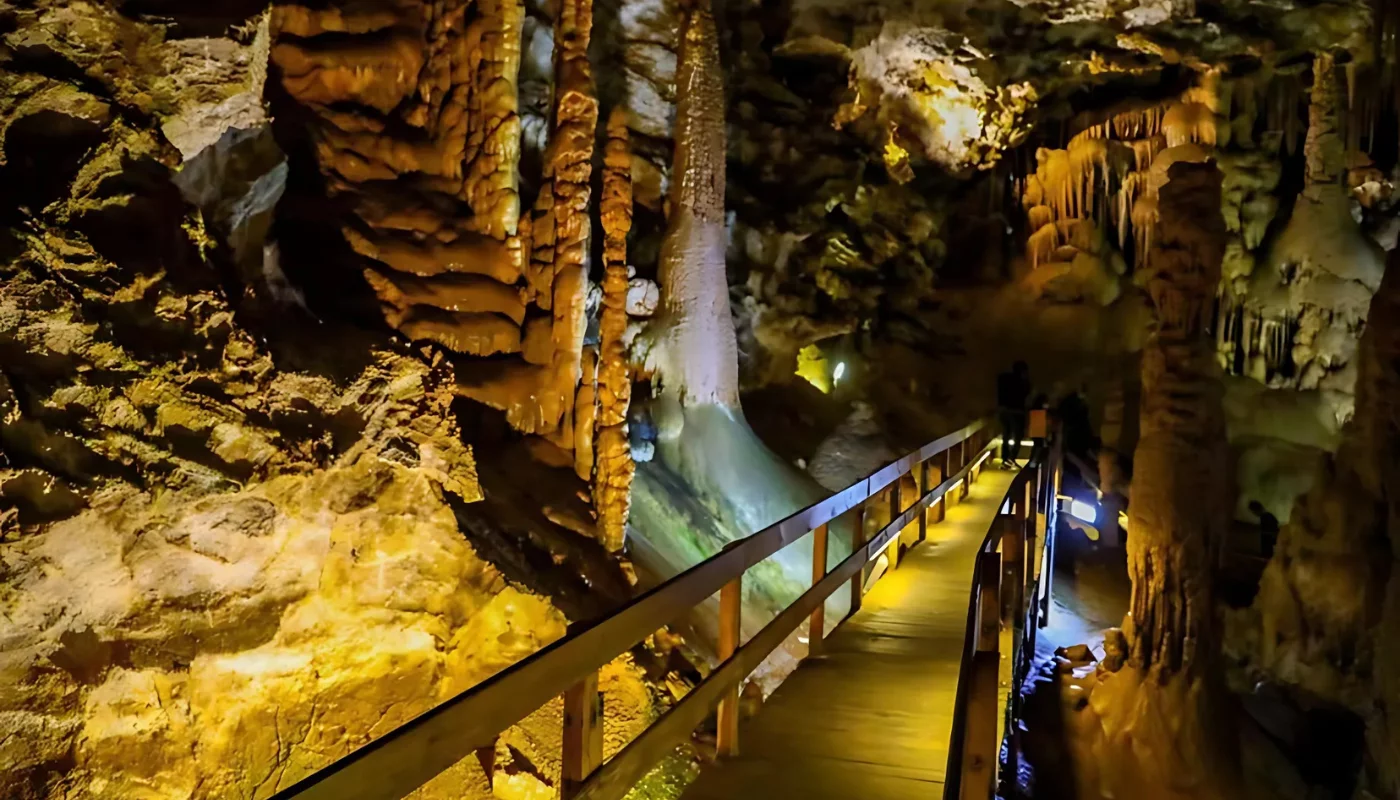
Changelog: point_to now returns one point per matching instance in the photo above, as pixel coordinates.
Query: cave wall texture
(229, 551)
(274, 276)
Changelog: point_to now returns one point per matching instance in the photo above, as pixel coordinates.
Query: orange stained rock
(451, 292)
(474, 333)
(474, 254)
(376, 72)
(305, 21)
(490, 185)
(586, 416)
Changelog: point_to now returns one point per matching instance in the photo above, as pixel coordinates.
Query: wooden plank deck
(871, 717)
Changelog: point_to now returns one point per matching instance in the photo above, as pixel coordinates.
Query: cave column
(1178, 508)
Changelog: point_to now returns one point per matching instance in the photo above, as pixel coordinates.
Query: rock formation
(612, 493)
(230, 551)
(306, 308)
(1328, 597)
(1159, 712)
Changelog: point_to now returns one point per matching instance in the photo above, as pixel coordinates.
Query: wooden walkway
(871, 717)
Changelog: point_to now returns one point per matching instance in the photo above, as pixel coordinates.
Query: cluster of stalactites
(560, 387)
(1373, 87)
(506, 294)
(444, 74)
(1104, 173)
(1250, 343)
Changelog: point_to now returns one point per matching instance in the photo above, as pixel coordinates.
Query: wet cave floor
(1090, 595)
(1290, 746)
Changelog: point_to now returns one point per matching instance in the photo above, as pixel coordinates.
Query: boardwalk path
(870, 719)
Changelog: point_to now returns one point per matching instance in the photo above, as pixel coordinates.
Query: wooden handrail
(969, 774)
(397, 763)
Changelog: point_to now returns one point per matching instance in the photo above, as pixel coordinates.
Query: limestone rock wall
(227, 536)
(1320, 625)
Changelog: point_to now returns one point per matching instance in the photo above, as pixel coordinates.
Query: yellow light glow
(812, 367)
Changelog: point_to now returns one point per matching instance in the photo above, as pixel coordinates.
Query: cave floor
(871, 717)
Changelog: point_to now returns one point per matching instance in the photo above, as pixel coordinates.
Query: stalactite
(1189, 123)
(539, 390)
(1228, 314)
(569, 170)
(1144, 219)
(1145, 151)
(1286, 102)
(1039, 216)
(612, 484)
(1137, 123)
(1042, 244)
(586, 414)
(447, 72)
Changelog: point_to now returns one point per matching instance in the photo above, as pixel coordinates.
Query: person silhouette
(1013, 395)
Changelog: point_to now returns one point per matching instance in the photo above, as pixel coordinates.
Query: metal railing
(404, 759)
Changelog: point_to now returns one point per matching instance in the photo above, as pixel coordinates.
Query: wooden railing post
(979, 754)
(989, 604)
(816, 628)
(973, 449)
(583, 734)
(857, 541)
(948, 470)
(1013, 553)
(1031, 499)
(942, 461)
(923, 490)
(963, 457)
(896, 508)
(730, 608)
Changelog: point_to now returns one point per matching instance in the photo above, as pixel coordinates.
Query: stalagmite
(1305, 306)
(1177, 509)
(702, 438)
(1161, 712)
(1042, 243)
(696, 355)
(612, 483)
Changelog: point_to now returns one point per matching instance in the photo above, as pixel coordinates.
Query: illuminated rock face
(1330, 597)
(262, 633)
(1177, 516)
(230, 549)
